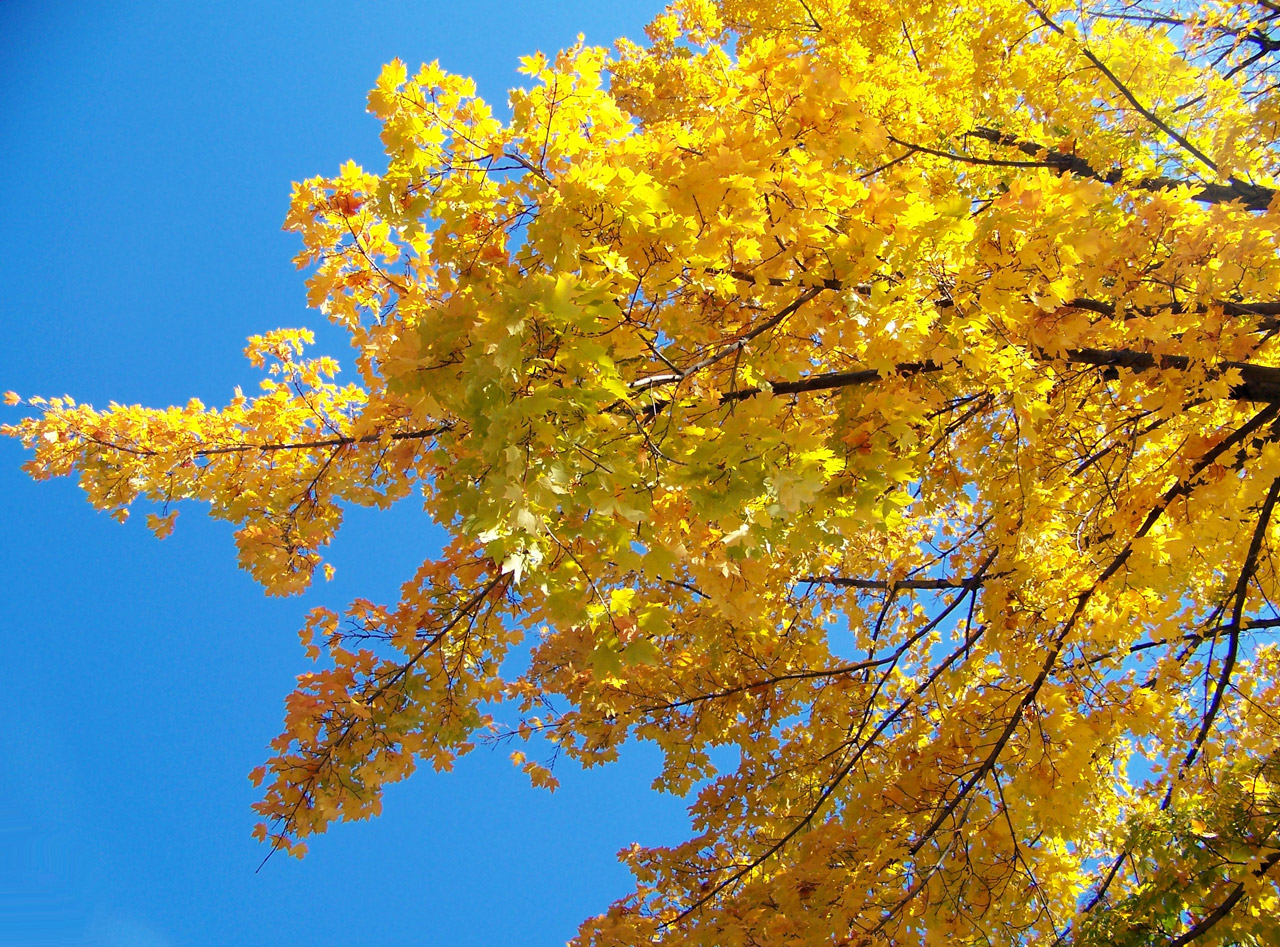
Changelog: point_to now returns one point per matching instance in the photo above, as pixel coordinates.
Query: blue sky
(146, 151)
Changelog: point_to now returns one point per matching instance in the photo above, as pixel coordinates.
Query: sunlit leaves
(873, 406)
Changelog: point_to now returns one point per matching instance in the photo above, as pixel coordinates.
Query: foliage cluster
(889, 393)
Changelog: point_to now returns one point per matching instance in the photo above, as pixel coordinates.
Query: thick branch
(1253, 196)
(1206, 923)
(1259, 383)
(1267, 309)
(886, 584)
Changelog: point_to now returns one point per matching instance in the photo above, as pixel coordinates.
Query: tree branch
(1145, 112)
(870, 741)
(1254, 196)
(1260, 383)
(1222, 910)
(887, 584)
(328, 442)
(1240, 593)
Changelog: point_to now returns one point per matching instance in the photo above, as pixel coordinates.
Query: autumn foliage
(886, 392)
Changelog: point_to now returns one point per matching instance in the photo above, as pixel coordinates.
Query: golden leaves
(837, 384)
(162, 526)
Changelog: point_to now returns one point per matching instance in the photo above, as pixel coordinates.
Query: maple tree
(882, 397)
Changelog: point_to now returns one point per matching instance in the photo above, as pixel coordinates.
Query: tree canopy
(876, 406)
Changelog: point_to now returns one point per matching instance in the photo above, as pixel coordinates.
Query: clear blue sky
(146, 153)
